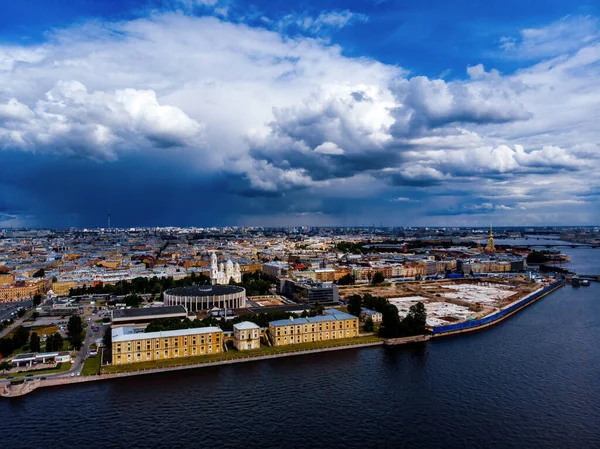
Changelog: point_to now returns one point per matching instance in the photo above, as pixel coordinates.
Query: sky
(280, 113)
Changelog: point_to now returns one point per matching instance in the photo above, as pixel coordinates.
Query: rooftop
(127, 333)
(149, 312)
(205, 290)
(246, 325)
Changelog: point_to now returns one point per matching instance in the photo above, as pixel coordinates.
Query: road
(18, 322)
(79, 359)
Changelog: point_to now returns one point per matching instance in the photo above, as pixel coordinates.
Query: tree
(354, 305)
(347, 279)
(75, 329)
(39, 273)
(6, 346)
(390, 323)
(416, 320)
(369, 326)
(133, 300)
(107, 338)
(54, 342)
(37, 300)
(5, 365)
(34, 342)
(21, 312)
(20, 337)
(54, 279)
(378, 278)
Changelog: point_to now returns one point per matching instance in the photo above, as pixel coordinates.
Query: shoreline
(488, 321)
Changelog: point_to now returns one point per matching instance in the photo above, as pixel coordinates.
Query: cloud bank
(284, 127)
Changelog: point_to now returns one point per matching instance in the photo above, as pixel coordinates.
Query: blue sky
(215, 112)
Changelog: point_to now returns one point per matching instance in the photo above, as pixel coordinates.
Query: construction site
(450, 301)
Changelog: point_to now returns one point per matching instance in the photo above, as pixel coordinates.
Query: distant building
(223, 274)
(333, 325)
(131, 346)
(365, 314)
(309, 291)
(246, 336)
(275, 269)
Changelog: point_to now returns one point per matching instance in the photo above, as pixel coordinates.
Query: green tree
(6, 346)
(5, 365)
(37, 300)
(21, 313)
(20, 337)
(390, 324)
(378, 278)
(354, 305)
(347, 279)
(54, 342)
(54, 279)
(107, 338)
(369, 326)
(34, 342)
(75, 329)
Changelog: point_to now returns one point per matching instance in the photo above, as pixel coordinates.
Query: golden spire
(490, 246)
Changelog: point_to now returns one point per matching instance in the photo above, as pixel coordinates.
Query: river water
(530, 381)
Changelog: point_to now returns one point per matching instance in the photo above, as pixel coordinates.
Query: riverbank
(218, 359)
(266, 353)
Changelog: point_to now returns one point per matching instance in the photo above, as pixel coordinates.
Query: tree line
(414, 323)
(142, 285)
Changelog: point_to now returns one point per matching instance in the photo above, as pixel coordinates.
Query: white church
(221, 274)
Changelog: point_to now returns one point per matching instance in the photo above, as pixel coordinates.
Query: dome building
(206, 297)
(221, 274)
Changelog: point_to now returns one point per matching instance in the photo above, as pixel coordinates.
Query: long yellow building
(131, 346)
(18, 291)
(330, 326)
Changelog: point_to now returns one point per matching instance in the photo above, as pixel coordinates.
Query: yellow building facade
(18, 292)
(63, 288)
(130, 346)
(331, 326)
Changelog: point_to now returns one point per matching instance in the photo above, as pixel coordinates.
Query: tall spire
(490, 246)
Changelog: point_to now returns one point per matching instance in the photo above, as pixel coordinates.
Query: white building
(365, 314)
(246, 335)
(222, 274)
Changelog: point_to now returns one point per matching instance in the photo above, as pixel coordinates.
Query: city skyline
(215, 112)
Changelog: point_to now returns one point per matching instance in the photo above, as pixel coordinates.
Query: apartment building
(129, 345)
(330, 326)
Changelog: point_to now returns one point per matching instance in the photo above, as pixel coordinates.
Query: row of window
(148, 343)
(303, 328)
(306, 338)
(139, 357)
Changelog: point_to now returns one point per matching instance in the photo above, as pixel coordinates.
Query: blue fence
(496, 316)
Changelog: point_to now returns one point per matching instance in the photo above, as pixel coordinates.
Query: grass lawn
(91, 366)
(234, 354)
(45, 330)
(60, 368)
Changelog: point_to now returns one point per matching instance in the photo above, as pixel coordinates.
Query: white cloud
(558, 38)
(329, 148)
(328, 20)
(286, 113)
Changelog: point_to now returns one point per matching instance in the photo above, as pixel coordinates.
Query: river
(530, 381)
